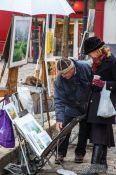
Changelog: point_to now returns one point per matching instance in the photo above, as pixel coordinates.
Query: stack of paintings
(30, 129)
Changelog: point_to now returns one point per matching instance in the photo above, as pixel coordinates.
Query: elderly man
(72, 87)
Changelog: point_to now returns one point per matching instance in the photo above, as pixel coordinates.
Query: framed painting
(11, 111)
(36, 136)
(51, 75)
(20, 36)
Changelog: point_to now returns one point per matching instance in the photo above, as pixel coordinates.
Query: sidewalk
(12, 155)
(81, 168)
(8, 155)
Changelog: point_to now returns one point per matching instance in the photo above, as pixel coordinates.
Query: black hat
(64, 65)
(91, 44)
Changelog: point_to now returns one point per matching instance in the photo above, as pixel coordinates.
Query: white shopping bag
(65, 172)
(105, 108)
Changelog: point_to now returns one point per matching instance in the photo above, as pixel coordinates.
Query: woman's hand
(98, 83)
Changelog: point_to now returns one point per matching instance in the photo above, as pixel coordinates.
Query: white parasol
(35, 7)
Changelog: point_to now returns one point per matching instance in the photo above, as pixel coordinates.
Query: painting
(20, 36)
(11, 110)
(51, 75)
(36, 136)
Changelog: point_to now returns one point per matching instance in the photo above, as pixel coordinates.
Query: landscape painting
(21, 28)
(11, 111)
(36, 136)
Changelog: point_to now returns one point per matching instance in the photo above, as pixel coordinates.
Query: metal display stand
(30, 161)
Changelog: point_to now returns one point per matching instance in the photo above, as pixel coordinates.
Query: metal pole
(82, 56)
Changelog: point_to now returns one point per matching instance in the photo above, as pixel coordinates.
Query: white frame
(11, 106)
(33, 132)
(13, 63)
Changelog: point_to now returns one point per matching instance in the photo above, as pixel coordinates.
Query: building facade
(104, 27)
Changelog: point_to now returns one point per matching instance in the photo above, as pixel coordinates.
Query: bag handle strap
(6, 100)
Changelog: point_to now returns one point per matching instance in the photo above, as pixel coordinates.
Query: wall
(110, 22)
(99, 18)
(5, 21)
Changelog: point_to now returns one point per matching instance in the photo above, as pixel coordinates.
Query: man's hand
(58, 126)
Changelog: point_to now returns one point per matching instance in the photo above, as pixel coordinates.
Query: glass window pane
(59, 35)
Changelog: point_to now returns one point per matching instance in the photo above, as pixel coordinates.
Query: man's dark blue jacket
(71, 96)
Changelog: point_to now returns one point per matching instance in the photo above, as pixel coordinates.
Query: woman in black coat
(104, 68)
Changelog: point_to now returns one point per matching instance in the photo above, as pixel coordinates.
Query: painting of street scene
(20, 41)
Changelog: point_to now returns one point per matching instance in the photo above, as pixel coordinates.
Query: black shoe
(59, 159)
(79, 158)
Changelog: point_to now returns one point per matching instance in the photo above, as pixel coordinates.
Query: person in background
(104, 71)
(71, 91)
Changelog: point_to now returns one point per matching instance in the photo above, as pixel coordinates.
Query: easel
(11, 85)
(41, 59)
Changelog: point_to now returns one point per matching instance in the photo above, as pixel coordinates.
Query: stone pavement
(6, 155)
(82, 168)
(13, 155)
(24, 71)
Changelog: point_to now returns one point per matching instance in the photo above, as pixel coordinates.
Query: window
(72, 41)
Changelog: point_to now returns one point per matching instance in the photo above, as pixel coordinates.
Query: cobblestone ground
(29, 69)
(82, 168)
(24, 71)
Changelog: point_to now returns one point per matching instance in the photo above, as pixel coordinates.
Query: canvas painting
(19, 47)
(11, 111)
(37, 137)
(51, 75)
